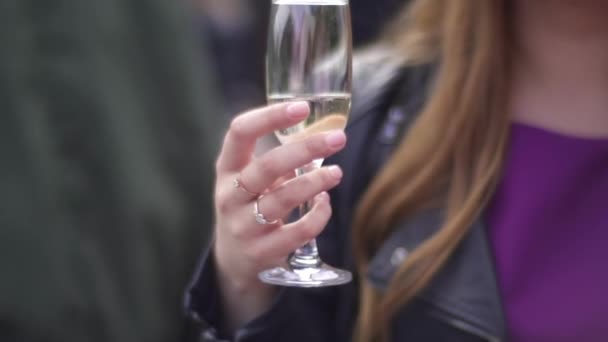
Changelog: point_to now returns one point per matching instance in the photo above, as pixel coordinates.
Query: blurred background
(112, 114)
(237, 33)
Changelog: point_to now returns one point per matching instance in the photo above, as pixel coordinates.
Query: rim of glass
(310, 2)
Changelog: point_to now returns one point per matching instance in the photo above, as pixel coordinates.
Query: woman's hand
(243, 246)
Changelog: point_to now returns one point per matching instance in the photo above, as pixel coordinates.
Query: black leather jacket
(461, 304)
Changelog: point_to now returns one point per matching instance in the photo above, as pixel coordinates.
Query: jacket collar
(464, 290)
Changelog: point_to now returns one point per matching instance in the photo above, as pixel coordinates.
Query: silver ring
(259, 217)
(238, 184)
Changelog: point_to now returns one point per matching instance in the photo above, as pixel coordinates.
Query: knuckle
(315, 147)
(221, 203)
(286, 199)
(271, 205)
(307, 182)
(272, 119)
(266, 165)
(238, 128)
(296, 238)
(328, 179)
(222, 207)
(309, 228)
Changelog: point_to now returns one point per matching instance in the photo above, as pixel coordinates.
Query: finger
(262, 172)
(284, 179)
(236, 193)
(246, 128)
(283, 241)
(249, 228)
(280, 202)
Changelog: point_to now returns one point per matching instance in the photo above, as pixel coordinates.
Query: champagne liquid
(327, 112)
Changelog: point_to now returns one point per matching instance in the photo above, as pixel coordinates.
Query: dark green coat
(107, 140)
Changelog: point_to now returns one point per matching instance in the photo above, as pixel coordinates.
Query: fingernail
(335, 139)
(297, 110)
(324, 196)
(335, 172)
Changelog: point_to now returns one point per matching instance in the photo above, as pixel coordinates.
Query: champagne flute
(309, 58)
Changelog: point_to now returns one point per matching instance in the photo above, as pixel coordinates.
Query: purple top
(548, 225)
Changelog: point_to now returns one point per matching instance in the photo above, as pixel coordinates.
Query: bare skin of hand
(244, 247)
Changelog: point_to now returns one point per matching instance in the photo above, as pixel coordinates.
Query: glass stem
(306, 256)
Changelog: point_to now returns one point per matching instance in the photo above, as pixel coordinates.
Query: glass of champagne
(309, 58)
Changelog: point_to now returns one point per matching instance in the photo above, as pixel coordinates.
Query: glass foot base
(321, 276)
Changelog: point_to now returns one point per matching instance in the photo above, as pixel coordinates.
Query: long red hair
(452, 154)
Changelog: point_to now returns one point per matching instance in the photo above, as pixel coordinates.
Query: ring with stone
(259, 217)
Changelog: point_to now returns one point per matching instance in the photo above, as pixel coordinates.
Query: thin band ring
(259, 217)
(238, 184)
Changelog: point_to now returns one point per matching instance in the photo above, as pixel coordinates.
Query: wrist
(238, 277)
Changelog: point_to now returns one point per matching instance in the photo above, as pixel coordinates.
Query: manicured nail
(335, 139)
(297, 110)
(335, 172)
